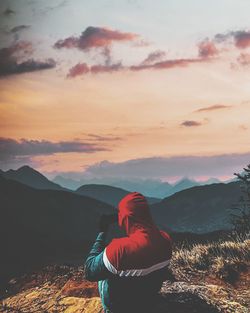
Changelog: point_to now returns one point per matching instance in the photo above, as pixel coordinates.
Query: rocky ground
(58, 289)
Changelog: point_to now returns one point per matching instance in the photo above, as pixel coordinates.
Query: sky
(136, 89)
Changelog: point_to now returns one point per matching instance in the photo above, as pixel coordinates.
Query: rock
(81, 288)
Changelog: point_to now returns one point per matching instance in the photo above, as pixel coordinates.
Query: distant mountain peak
(26, 167)
(31, 177)
(29, 170)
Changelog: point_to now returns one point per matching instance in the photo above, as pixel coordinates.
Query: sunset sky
(134, 88)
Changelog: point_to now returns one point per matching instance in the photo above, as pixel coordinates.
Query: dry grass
(225, 259)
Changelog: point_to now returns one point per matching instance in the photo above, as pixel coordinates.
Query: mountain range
(109, 194)
(30, 177)
(37, 224)
(149, 187)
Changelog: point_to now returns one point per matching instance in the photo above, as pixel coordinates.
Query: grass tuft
(226, 259)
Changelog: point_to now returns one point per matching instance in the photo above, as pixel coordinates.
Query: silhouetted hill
(30, 177)
(109, 194)
(198, 209)
(39, 224)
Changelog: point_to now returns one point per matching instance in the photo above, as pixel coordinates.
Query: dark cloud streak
(153, 57)
(13, 148)
(8, 12)
(213, 108)
(104, 138)
(19, 28)
(12, 60)
(241, 38)
(189, 123)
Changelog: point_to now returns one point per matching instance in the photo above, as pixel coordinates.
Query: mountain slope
(30, 177)
(109, 194)
(37, 224)
(198, 209)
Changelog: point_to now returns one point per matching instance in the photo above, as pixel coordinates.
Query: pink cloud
(95, 37)
(83, 68)
(78, 69)
(207, 49)
(166, 64)
(242, 39)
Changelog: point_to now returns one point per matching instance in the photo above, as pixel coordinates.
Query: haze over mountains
(148, 187)
(109, 194)
(153, 189)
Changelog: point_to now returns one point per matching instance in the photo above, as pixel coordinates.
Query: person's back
(130, 270)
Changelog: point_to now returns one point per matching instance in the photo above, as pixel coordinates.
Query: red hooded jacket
(145, 249)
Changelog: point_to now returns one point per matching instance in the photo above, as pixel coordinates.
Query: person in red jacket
(130, 270)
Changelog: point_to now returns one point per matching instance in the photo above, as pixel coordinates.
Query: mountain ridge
(150, 188)
(31, 177)
(109, 194)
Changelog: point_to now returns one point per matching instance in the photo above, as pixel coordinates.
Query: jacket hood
(134, 213)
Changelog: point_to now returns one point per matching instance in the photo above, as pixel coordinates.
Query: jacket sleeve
(94, 267)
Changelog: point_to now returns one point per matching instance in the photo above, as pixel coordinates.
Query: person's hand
(106, 220)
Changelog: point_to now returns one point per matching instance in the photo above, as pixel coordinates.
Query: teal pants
(102, 288)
